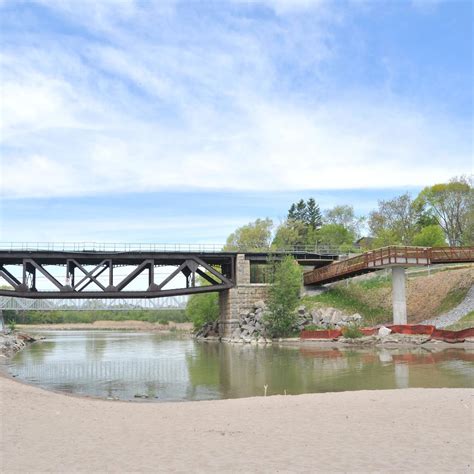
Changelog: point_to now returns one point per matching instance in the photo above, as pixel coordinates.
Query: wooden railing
(387, 256)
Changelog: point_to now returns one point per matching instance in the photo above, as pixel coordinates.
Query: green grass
(352, 332)
(464, 323)
(452, 299)
(340, 297)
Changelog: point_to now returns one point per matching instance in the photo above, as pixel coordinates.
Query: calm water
(132, 366)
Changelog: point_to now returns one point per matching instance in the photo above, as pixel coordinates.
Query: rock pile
(334, 318)
(13, 342)
(208, 330)
(252, 326)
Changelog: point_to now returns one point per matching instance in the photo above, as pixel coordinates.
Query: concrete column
(399, 295)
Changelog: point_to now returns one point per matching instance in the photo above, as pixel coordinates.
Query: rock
(260, 304)
(383, 331)
(301, 310)
(356, 317)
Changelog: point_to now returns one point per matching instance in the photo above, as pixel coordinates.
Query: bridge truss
(94, 275)
(118, 304)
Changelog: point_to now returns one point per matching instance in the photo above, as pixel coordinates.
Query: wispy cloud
(111, 97)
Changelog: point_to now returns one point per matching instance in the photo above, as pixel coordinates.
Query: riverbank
(13, 342)
(130, 325)
(421, 430)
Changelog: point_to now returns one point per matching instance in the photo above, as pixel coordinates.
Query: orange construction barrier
(415, 329)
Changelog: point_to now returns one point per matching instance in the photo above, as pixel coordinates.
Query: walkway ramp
(388, 257)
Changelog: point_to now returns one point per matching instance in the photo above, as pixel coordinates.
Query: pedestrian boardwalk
(387, 257)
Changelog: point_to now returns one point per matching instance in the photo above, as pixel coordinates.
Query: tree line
(442, 214)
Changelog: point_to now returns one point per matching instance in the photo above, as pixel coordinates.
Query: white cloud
(154, 106)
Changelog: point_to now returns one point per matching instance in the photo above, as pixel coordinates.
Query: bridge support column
(399, 299)
(241, 298)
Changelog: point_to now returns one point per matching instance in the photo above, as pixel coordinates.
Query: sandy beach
(422, 430)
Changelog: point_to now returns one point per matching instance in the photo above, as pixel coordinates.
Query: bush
(283, 297)
(352, 332)
(202, 309)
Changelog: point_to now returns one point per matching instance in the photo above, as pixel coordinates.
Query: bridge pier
(239, 299)
(399, 300)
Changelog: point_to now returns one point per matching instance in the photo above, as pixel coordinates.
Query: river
(143, 366)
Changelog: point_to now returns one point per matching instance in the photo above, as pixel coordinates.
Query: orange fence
(386, 256)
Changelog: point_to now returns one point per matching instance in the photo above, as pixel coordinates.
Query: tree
(253, 236)
(451, 204)
(312, 215)
(283, 297)
(292, 234)
(336, 235)
(344, 215)
(202, 309)
(300, 213)
(430, 236)
(395, 221)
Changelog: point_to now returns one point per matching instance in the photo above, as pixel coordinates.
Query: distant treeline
(57, 317)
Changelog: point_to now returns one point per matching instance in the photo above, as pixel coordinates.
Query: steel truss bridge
(98, 273)
(117, 304)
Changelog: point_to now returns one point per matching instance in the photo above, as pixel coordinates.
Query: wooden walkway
(386, 257)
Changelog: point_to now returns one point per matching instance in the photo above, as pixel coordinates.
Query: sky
(178, 121)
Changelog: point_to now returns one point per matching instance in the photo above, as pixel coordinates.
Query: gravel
(451, 317)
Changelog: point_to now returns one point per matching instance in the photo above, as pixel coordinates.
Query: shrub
(202, 309)
(352, 332)
(283, 297)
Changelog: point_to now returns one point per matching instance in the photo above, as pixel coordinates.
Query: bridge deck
(386, 257)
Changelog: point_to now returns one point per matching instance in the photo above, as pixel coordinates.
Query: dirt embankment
(426, 294)
(113, 325)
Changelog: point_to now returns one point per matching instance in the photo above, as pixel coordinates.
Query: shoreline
(337, 431)
(127, 325)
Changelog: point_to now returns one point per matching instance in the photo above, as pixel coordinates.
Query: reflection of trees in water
(95, 346)
(189, 370)
(204, 368)
(36, 352)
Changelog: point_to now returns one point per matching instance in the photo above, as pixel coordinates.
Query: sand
(113, 325)
(422, 430)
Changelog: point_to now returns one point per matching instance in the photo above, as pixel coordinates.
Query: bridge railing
(160, 247)
(392, 255)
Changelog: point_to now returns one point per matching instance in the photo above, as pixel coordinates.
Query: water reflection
(144, 366)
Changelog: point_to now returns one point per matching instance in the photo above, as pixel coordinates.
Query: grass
(352, 332)
(342, 297)
(452, 299)
(465, 322)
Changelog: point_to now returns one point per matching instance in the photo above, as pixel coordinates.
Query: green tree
(253, 236)
(300, 213)
(202, 309)
(395, 221)
(451, 204)
(283, 297)
(336, 235)
(293, 234)
(312, 215)
(430, 236)
(344, 215)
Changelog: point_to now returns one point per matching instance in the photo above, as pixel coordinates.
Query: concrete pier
(399, 295)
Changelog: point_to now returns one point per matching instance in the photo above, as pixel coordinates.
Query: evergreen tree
(292, 212)
(313, 214)
(300, 213)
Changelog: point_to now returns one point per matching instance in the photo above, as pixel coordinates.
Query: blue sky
(178, 121)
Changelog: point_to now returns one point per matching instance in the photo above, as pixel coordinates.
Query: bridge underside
(385, 258)
(45, 274)
(113, 275)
